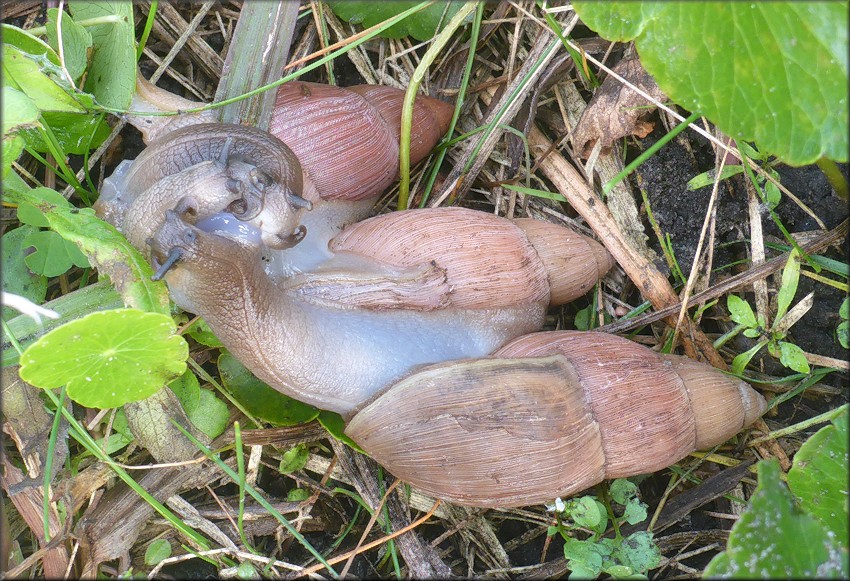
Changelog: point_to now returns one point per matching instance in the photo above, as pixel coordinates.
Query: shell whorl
(309, 117)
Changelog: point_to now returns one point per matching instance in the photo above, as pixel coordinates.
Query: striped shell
(549, 415)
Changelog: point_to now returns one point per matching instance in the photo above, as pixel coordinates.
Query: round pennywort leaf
(107, 358)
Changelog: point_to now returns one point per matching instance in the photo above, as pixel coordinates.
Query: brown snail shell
(548, 415)
(356, 127)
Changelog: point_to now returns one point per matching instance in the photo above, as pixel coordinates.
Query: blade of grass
(143, 40)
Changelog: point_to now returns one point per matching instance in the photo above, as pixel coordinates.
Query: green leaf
(638, 552)
(13, 146)
(258, 398)
(584, 318)
(623, 490)
(421, 26)
(585, 512)
(772, 72)
(17, 278)
(210, 415)
(107, 358)
(24, 73)
(19, 111)
(583, 556)
(741, 312)
(157, 551)
(335, 426)
(200, 331)
(775, 539)
(819, 477)
(707, 178)
(28, 43)
(28, 213)
(76, 133)
(106, 249)
(843, 332)
(635, 512)
(76, 42)
(743, 359)
(844, 309)
(793, 357)
(187, 390)
(752, 333)
(112, 73)
(53, 254)
(294, 459)
(297, 495)
(788, 287)
(246, 570)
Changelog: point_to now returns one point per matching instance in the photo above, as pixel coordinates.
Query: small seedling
(620, 557)
(775, 335)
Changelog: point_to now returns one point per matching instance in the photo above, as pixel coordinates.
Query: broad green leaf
(294, 459)
(210, 415)
(844, 309)
(772, 72)
(111, 75)
(53, 254)
(258, 398)
(246, 570)
(107, 358)
(106, 249)
(157, 551)
(793, 357)
(76, 42)
(421, 26)
(819, 477)
(788, 287)
(775, 539)
(19, 111)
(29, 214)
(17, 278)
(740, 311)
(23, 72)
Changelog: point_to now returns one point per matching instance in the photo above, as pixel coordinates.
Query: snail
(548, 415)
(382, 304)
(339, 148)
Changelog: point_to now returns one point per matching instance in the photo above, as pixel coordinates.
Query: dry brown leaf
(616, 110)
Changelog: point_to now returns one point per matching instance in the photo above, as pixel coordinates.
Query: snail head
(179, 241)
(266, 203)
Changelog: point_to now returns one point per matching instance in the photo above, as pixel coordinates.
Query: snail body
(379, 322)
(547, 415)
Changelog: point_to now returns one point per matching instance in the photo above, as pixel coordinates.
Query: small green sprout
(773, 336)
